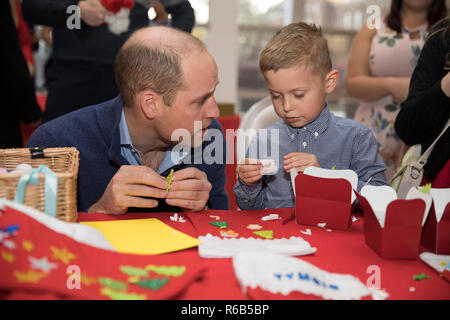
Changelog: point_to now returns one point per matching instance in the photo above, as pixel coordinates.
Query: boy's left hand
(300, 160)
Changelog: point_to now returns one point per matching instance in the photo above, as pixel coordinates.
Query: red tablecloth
(337, 251)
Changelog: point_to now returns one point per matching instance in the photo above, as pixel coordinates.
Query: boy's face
(298, 94)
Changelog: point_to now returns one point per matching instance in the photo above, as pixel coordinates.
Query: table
(337, 251)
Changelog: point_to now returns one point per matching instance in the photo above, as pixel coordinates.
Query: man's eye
(299, 96)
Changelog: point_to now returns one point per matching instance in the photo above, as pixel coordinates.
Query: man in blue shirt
(297, 69)
(167, 81)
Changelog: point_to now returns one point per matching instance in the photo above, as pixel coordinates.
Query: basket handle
(50, 187)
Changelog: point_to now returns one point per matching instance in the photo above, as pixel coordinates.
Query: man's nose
(212, 109)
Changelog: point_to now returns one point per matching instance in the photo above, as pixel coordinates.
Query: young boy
(296, 66)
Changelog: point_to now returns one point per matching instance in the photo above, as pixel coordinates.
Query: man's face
(196, 101)
(298, 94)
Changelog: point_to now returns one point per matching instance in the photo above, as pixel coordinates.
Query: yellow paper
(143, 236)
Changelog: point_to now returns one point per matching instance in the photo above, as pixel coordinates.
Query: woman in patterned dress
(380, 66)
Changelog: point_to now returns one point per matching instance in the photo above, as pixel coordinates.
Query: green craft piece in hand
(220, 224)
(268, 234)
(132, 271)
(426, 188)
(333, 168)
(153, 284)
(174, 271)
(113, 284)
(169, 181)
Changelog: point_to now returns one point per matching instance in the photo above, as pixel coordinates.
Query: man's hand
(189, 189)
(249, 170)
(92, 12)
(127, 188)
(300, 160)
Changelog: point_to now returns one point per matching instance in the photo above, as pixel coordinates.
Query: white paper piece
(272, 216)
(307, 232)
(176, 218)
(438, 262)
(321, 224)
(215, 247)
(379, 198)
(440, 197)
(348, 175)
(354, 219)
(280, 274)
(414, 193)
(268, 167)
(76, 231)
(9, 244)
(293, 172)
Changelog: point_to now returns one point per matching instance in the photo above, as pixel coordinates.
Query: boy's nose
(286, 105)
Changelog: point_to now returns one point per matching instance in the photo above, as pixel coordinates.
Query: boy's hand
(300, 160)
(249, 170)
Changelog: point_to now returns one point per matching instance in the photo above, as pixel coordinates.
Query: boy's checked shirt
(335, 141)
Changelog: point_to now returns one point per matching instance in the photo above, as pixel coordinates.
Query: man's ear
(148, 103)
(331, 80)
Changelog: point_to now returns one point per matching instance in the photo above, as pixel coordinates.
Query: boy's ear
(331, 80)
(148, 103)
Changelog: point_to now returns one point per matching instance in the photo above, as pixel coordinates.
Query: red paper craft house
(436, 235)
(320, 200)
(401, 234)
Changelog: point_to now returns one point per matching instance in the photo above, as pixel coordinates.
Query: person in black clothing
(81, 70)
(17, 90)
(425, 112)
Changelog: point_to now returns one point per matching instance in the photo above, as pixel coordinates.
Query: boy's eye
(299, 96)
(275, 96)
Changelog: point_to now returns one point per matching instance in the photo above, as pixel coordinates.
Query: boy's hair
(296, 44)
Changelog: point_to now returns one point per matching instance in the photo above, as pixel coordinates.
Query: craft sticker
(268, 234)
(27, 246)
(229, 234)
(42, 264)
(174, 271)
(120, 295)
(270, 217)
(29, 276)
(254, 227)
(153, 284)
(220, 224)
(8, 257)
(62, 254)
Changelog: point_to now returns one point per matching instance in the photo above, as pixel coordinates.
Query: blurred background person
(17, 90)
(80, 71)
(380, 66)
(427, 109)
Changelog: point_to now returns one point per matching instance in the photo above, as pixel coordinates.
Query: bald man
(128, 145)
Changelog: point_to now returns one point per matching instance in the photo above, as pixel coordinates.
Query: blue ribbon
(50, 187)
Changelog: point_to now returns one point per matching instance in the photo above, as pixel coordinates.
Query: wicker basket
(62, 161)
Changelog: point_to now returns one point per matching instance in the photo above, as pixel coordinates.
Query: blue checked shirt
(335, 141)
